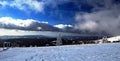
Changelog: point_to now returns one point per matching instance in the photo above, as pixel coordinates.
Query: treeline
(27, 42)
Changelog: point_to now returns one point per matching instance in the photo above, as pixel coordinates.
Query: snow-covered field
(90, 52)
(1, 49)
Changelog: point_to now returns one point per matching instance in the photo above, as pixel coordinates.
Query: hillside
(89, 52)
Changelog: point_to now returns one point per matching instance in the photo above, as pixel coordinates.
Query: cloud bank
(104, 18)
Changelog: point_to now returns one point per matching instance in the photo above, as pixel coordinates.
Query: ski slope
(89, 52)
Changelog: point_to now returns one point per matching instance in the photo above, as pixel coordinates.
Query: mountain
(34, 26)
(41, 27)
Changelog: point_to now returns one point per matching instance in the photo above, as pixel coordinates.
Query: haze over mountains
(14, 26)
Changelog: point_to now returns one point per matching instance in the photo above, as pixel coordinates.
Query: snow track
(90, 52)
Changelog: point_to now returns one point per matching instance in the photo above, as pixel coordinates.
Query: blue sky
(90, 15)
(59, 13)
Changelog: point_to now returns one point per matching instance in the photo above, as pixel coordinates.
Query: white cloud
(3, 3)
(18, 22)
(61, 26)
(88, 25)
(26, 5)
(44, 22)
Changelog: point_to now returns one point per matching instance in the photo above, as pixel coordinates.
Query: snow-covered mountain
(34, 26)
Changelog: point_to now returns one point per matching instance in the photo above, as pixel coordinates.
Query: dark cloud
(105, 16)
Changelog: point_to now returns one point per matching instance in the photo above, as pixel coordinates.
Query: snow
(89, 52)
(116, 38)
(1, 49)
